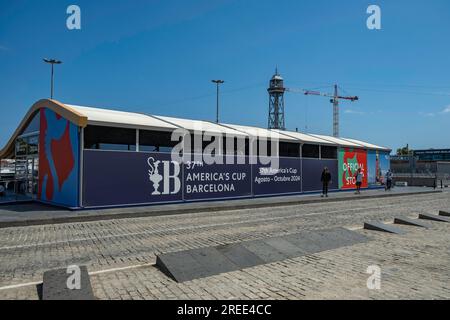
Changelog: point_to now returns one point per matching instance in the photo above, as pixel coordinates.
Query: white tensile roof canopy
(98, 116)
(365, 144)
(261, 133)
(205, 126)
(82, 116)
(338, 141)
(305, 138)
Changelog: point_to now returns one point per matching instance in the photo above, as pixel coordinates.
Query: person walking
(359, 177)
(325, 179)
(388, 180)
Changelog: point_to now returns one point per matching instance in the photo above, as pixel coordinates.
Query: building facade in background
(432, 155)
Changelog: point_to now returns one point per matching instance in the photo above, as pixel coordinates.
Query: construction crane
(335, 101)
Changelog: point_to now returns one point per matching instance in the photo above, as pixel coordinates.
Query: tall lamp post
(52, 62)
(217, 82)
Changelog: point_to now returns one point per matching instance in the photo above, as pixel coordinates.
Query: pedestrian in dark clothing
(388, 180)
(325, 178)
(359, 178)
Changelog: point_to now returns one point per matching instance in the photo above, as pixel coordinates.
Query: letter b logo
(168, 177)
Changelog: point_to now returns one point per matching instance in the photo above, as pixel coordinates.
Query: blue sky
(159, 57)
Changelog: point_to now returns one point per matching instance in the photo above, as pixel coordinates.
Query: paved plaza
(27, 213)
(120, 254)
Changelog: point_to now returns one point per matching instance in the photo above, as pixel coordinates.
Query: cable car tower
(276, 102)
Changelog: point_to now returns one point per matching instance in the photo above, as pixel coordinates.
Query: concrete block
(213, 261)
(378, 226)
(180, 266)
(198, 263)
(264, 251)
(285, 247)
(340, 237)
(306, 241)
(434, 217)
(410, 222)
(240, 256)
(444, 213)
(55, 287)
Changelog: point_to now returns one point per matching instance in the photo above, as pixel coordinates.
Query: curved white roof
(304, 138)
(338, 141)
(366, 144)
(124, 119)
(82, 116)
(260, 132)
(198, 125)
(97, 116)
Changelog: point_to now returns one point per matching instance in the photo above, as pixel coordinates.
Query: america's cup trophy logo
(154, 175)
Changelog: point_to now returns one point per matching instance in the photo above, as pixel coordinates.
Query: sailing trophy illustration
(154, 175)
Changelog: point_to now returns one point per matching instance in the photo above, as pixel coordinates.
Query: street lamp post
(217, 82)
(52, 62)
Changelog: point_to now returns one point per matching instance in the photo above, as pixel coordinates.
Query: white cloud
(446, 110)
(350, 111)
(427, 114)
(433, 114)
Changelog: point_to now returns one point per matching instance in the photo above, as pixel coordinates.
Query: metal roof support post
(81, 167)
(137, 140)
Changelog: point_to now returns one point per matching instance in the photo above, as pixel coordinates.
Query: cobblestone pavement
(415, 265)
